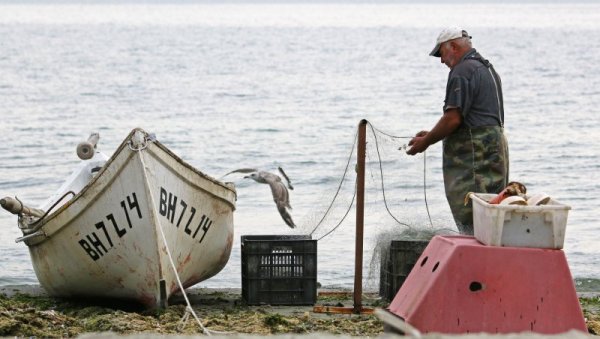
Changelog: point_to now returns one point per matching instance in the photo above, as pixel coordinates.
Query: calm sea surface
(263, 85)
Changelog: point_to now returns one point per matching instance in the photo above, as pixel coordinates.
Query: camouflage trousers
(475, 160)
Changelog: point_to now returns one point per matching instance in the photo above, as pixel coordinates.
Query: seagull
(278, 189)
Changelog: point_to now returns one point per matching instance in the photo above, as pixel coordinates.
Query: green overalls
(474, 160)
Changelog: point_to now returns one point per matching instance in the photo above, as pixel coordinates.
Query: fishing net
(403, 200)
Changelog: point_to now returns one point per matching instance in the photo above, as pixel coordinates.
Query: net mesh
(397, 206)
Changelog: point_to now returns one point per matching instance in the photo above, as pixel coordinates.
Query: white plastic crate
(519, 226)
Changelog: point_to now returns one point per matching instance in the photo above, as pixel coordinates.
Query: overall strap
(497, 85)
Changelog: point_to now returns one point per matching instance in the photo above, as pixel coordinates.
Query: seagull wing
(241, 170)
(282, 200)
(287, 179)
(285, 215)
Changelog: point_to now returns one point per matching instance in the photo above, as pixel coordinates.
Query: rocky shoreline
(26, 311)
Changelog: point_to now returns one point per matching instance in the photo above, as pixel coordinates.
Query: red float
(459, 285)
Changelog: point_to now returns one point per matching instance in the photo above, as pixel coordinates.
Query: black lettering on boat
(205, 228)
(101, 226)
(187, 229)
(167, 207)
(162, 205)
(126, 214)
(86, 247)
(96, 243)
(92, 244)
(120, 232)
(182, 212)
(132, 204)
(171, 207)
(200, 224)
(135, 204)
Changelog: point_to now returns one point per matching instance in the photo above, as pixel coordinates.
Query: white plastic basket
(519, 226)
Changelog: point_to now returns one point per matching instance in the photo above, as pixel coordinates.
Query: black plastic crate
(279, 269)
(396, 264)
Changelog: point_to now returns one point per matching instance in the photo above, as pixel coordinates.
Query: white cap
(448, 34)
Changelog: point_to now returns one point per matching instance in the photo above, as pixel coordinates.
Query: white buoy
(86, 149)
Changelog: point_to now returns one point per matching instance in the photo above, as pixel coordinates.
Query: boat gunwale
(126, 143)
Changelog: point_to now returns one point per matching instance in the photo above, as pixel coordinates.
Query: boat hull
(146, 221)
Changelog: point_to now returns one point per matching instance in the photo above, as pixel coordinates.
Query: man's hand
(421, 134)
(418, 143)
(447, 124)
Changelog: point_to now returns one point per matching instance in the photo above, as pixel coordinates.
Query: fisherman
(475, 151)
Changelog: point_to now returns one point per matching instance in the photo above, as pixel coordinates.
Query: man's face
(448, 54)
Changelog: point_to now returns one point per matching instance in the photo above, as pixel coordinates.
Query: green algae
(27, 316)
(591, 313)
(591, 305)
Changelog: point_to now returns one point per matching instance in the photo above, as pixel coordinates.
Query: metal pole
(360, 213)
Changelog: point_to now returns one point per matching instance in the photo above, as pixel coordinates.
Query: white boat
(143, 221)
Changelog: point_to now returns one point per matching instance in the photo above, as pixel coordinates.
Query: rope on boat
(189, 310)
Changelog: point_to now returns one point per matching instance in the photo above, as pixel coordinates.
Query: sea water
(227, 86)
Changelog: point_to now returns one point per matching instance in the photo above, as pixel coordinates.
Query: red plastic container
(459, 285)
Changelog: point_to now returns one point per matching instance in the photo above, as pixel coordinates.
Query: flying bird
(279, 190)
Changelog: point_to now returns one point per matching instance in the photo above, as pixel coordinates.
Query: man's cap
(448, 34)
